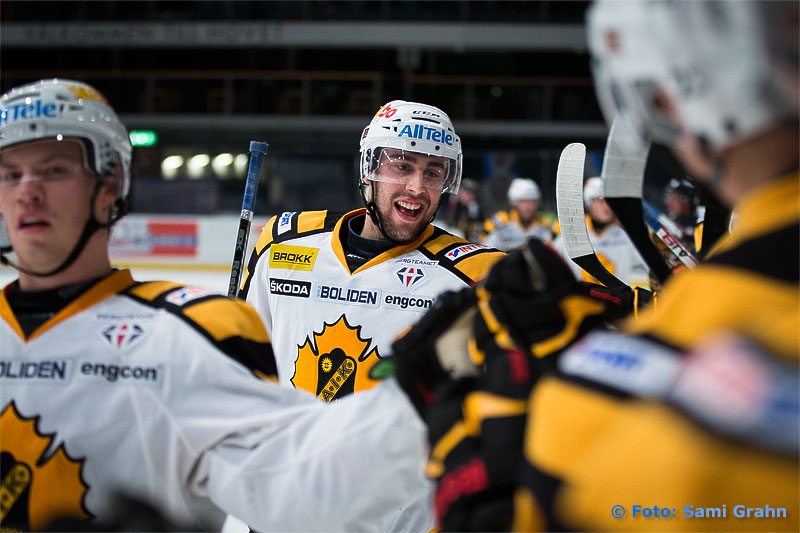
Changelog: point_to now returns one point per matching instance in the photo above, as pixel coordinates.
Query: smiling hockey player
(334, 290)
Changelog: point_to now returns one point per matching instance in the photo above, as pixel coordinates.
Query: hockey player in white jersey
(334, 290)
(508, 230)
(612, 245)
(158, 391)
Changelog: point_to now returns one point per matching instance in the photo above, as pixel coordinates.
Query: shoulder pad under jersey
(469, 261)
(233, 326)
(284, 227)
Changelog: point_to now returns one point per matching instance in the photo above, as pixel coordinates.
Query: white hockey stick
(623, 176)
(572, 218)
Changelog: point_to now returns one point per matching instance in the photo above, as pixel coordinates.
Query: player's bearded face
(409, 197)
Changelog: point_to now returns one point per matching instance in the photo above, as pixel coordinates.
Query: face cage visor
(394, 165)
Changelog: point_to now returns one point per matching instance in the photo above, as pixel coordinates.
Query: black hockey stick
(572, 218)
(623, 175)
(257, 152)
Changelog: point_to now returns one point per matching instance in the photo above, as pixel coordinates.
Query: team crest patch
(336, 362)
(36, 487)
(408, 276)
(122, 335)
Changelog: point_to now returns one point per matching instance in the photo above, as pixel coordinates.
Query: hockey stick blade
(571, 216)
(623, 176)
(257, 152)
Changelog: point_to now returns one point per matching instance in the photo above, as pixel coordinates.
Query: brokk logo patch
(336, 362)
(37, 487)
(292, 257)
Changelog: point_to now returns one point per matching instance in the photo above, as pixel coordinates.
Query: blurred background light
(197, 165)
(170, 166)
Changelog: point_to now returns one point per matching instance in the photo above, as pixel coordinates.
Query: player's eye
(8, 177)
(434, 173)
(55, 171)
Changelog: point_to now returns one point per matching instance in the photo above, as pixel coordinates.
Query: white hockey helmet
(721, 64)
(411, 127)
(523, 189)
(66, 108)
(593, 188)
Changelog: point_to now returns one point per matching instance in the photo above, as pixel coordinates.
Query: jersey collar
(108, 286)
(391, 253)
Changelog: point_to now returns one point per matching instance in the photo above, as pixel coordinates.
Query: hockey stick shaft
(653, 219)
(623, 175)
(257, 152)
(629, 213)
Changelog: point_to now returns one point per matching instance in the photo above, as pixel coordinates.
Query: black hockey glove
(531, 300)
(476, 459)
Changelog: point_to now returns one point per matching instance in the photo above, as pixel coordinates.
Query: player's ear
(366, 186)
(106, 197)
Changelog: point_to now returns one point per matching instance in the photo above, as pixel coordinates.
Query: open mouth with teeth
(408, 210)
(32, 223)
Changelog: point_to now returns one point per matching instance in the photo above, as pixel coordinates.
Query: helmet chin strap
(92, 225)
(372, 211)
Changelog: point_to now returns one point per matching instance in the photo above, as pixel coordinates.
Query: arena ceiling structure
(206, 77)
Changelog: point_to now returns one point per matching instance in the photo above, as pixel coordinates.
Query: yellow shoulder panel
(310, 220)
(477, 266)
(691, 307)
(441, 242)
(224, 318)
(153, 289)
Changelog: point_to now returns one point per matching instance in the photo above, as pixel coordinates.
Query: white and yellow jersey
(506, 231)
(162, 392)
(328, 326)
(616, 252)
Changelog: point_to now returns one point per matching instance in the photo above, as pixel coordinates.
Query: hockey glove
(434, 350)
(531, 300)
(476, 459)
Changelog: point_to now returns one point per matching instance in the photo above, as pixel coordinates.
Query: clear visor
(394, 165)
(52, 160)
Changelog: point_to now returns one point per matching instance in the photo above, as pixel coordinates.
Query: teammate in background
(464, 212)
(508, 230)
(155, 391)
(612, 245)
(696, 403)
(681, 201)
